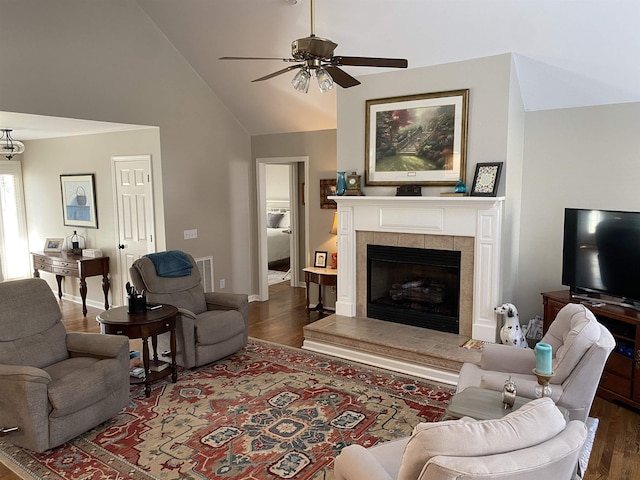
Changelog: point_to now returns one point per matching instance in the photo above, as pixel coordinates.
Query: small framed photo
(486, 179)
(328, 189)
(53, 245)
(320, 260)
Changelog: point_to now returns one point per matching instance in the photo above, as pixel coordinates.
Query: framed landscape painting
(416, 139)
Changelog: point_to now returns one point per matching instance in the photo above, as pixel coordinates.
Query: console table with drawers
(72, 265)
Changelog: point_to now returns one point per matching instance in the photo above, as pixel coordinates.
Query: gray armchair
(580, 346)
(54, 385)
(210, 325)
(531, 443)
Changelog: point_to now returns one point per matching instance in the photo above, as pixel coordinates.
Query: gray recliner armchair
(580, 347)
(54, 385)
(210, 325)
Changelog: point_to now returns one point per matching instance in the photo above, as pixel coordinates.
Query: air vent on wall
(205, 265)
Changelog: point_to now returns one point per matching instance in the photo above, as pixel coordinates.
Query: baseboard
(99, 304)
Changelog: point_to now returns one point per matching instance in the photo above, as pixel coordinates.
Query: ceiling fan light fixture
(8, 146)
(325, 81)
(301, 80)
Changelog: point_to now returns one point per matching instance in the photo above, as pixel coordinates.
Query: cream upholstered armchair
(580, 347)
(54, 385)
(210, 325)
(530, 443)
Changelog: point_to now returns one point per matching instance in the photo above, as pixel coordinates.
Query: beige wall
(580, 158)
(125, 71)
(320, 147)
(45, 160)
(277, 182)
(107, 61)
(495, 131)
(490, 90)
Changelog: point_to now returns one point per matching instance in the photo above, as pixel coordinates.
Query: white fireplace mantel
(477, 217)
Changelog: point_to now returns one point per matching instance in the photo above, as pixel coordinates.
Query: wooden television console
(621, 377)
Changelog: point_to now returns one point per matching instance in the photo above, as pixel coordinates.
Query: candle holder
(543, 389)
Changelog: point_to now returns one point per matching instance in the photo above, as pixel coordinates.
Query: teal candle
(543, 358)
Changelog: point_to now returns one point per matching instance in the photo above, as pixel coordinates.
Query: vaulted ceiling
(568, 52)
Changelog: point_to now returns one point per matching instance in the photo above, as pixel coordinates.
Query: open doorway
(282, 220)
(280, 235)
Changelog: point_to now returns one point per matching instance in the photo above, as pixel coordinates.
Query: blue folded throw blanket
(172, 263)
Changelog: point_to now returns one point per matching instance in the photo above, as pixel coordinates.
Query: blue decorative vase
(341, 186)
(460, 187)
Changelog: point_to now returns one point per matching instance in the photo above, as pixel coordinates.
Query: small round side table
(118, 321)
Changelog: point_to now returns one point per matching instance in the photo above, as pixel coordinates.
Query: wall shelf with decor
(621, 377)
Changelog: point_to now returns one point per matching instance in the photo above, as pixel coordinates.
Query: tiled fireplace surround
(472, 225)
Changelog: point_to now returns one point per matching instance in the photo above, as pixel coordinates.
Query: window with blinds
(14, 249)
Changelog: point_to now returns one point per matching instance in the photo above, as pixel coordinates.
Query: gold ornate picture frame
(417, 139)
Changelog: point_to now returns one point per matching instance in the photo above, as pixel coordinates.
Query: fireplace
(414, 286)
(469, 226)
(472, 225)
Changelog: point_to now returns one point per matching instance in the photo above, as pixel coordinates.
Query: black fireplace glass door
(414, 286)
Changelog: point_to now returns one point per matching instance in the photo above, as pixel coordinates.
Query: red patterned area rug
(267, 412)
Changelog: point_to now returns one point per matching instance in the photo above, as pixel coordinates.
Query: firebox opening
(414, 286)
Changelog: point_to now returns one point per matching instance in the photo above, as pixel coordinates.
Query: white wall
(320, 147)
(43, 163)
(582, 158)
(107, 61)
(277, 182)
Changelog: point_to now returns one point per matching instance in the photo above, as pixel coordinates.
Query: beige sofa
(532, 443)
(210, 325)
(54, 385)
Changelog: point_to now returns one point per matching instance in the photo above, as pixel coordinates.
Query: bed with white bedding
(278, 237)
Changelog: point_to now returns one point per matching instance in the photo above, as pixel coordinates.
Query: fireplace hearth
(470, 225)
(414, 286)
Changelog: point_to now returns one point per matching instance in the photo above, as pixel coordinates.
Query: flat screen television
(601, 255)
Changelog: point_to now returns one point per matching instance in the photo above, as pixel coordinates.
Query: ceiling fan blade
(341, 77)
(370, 62)
(259, 58)
(279, 72)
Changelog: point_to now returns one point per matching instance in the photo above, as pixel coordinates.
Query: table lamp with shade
(334, 231)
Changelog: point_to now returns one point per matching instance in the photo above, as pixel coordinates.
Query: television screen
(601, 253)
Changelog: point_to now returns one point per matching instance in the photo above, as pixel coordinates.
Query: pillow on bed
(273, 219)
(286, 220)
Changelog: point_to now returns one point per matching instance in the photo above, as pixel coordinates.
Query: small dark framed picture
(327, 189)
(320, 260)
(486, 179)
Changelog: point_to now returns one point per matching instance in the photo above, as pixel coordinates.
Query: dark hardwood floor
(616, 450)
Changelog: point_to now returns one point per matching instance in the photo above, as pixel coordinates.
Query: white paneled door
(133, 189)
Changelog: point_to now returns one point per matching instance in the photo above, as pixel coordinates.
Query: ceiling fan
(316, 54)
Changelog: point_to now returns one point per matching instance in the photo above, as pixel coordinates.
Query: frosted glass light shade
(301, 80)
(8, 146)
(325, 82)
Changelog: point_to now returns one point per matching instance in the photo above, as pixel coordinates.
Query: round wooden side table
(118, 321)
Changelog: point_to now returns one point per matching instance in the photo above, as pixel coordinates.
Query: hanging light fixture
(301, 81)
(325, 82)
(8, 146)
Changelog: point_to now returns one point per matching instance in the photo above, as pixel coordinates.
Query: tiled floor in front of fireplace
(404, 343)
